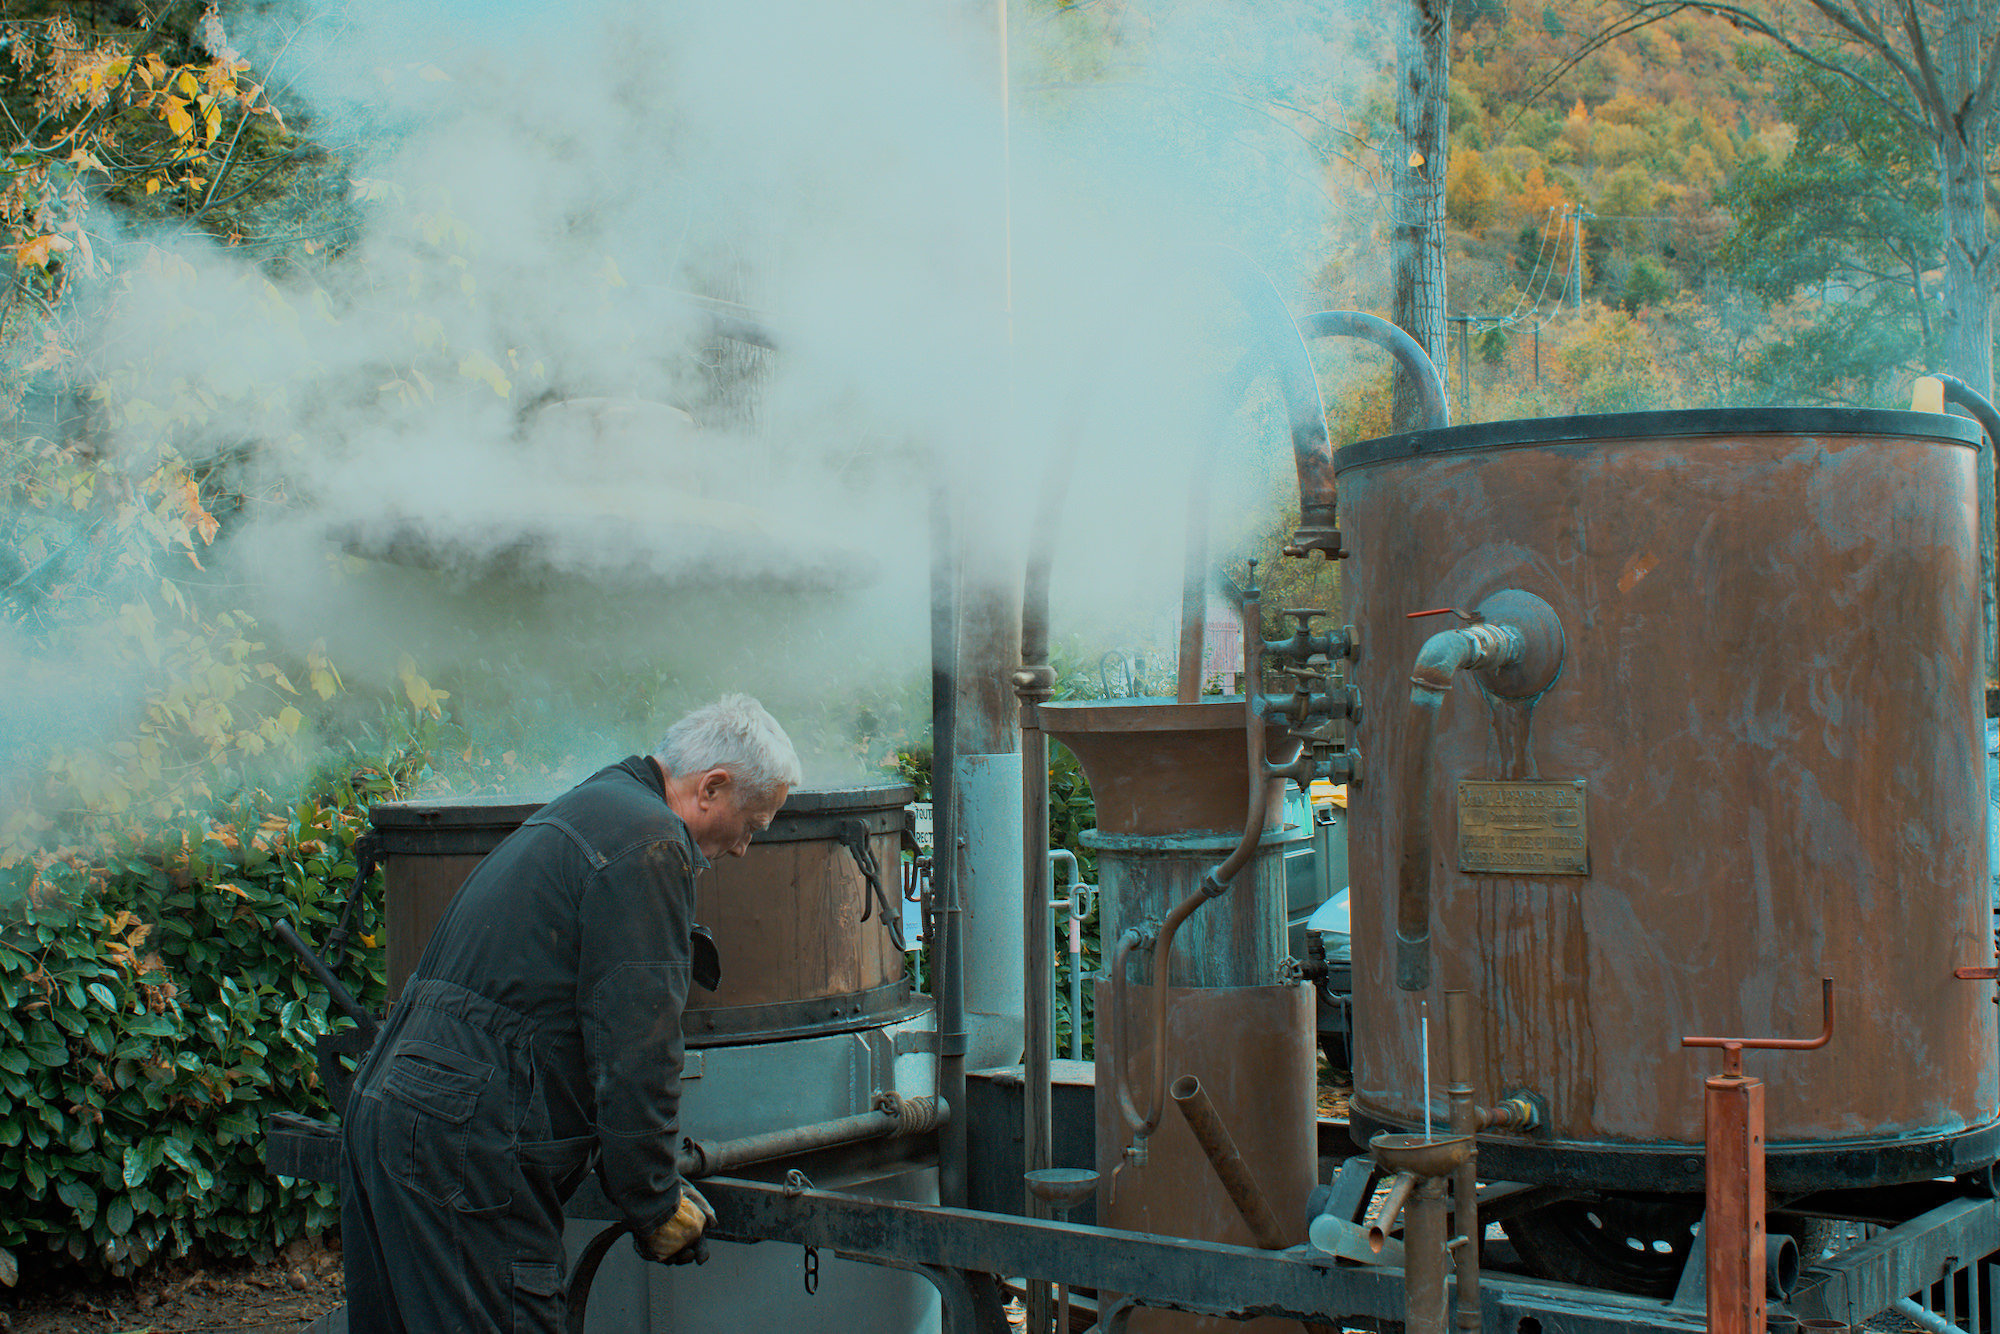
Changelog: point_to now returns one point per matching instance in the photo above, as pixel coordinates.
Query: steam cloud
(548, 208)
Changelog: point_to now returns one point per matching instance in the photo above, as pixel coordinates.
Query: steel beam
(1206, 1278)
(1868, 1278)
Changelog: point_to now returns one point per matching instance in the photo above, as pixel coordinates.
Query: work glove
(678, 1240)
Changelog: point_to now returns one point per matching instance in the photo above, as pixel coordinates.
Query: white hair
(734, 734)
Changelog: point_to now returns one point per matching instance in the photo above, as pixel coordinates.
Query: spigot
(1310, 538)
(1300, 771)
(1303, 644)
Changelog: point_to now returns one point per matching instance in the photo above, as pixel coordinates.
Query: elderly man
(541, 1035)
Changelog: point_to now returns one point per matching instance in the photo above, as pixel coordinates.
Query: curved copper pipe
(1217, 881)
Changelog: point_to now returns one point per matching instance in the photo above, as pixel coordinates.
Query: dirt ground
(283, 1297)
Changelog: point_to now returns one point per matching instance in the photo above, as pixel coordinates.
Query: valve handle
(1469, 617)
(1733, 1048)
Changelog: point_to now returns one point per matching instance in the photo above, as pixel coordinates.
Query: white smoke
(548, 204)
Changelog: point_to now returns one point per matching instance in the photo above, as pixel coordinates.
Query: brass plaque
(1522, 829)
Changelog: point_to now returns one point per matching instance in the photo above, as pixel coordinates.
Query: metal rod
(1424, 1050)
(913, 1116)
(1073, 901)
(336, 990)
(1213, 1136)
(1465, 1117)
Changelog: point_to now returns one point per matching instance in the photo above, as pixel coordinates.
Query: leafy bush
(152, 1023)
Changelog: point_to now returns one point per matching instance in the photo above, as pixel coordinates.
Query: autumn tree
(1472, 197)
(1933, 67)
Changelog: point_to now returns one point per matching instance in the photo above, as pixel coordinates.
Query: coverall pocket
(538, 1297)
(432, 1092)
(436, 1079)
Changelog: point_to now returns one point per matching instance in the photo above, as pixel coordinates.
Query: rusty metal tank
(1765, 747)
(805, 937)
(1172, 797)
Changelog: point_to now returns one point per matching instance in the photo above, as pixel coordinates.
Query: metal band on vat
(1623, 428)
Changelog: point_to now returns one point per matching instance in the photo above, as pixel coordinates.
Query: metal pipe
(1423, 372)
(1220, 1147)
(1926, 1317)
(1033, 685)
(1074, 903)
(1215, 883)
(948, 949)
(895, 1119)
(1982, 411)
(1781, 1267)
(1381, 1218)
(1442, 657)
(1133, 938)
(1465, 1119)
(1424, 1259)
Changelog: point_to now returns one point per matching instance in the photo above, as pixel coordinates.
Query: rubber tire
(1627, 1243)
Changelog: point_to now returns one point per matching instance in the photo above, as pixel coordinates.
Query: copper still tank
(1761, 760)
(1172, 801)
(806, 940)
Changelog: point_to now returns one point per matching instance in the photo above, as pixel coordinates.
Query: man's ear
(713, 784)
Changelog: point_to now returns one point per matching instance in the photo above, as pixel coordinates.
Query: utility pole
(1576, 251)
(1465, 368)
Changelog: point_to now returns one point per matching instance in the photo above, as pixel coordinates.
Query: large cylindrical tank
(813, 1018)
(803, 934)
(1769, 713)
(1172, 795)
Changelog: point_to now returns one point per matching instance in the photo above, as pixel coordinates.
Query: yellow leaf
(36, 253)
(432, 74)
(1416, 159)
(177, 117)
(152, 185)
(289, 718)
(228, 888)
(187, 84)
(479, 366)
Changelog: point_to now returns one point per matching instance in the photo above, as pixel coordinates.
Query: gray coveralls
(539, 1035)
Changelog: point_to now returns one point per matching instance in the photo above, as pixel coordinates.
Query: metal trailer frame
(1946, 1257)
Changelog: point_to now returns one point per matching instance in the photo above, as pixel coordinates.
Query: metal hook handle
(1733, 1048)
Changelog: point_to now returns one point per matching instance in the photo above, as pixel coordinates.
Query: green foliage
(152, 1023)
(1646, 284)
(1837, 239)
